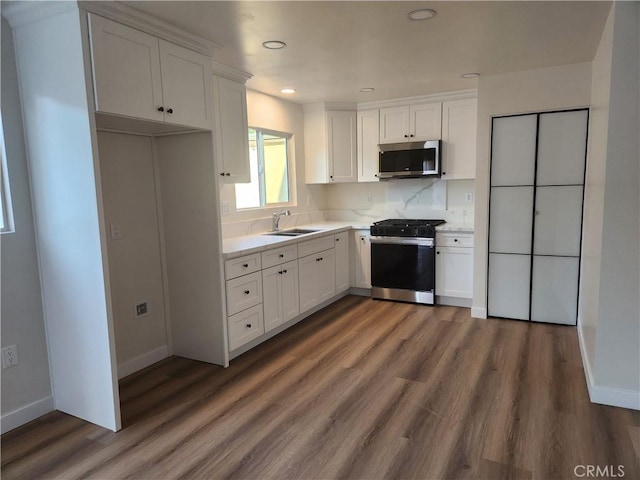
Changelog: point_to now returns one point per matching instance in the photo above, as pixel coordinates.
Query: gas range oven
(403, 263)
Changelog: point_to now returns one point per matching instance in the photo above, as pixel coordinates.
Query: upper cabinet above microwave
(140, 76)
(410, 123)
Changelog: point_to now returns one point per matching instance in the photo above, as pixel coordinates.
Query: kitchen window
(6, 219)
(270, 172)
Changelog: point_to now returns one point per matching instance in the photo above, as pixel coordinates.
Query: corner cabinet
(368, 134)
(231, 130)
(140, 76)
(459, 139)
(329, 144)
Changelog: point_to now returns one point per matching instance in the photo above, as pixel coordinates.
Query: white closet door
(513, 150)
(558, 221)
(511, 216)
(562, 143)
(555, 290)
(509, 286)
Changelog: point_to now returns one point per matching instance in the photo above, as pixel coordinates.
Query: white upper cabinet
(329, 145)
(410, 123)
(368, 134)
(138, 75)
(459, 139)
(232, 130)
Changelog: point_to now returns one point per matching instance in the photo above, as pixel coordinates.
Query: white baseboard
(143, 361)
(615, 397)
(479, 312)
(25, 414)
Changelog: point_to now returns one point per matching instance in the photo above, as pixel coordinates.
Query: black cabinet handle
(438, 253)
(406, 136)
(444, 173)
(284, 271)
(411, 135)
(222, 174)
(337, 239)
(161, 109)
(248, 325)
(169, 110)
(317, 259)
(246, 265)
(280, 272)
(228, 174)
(247, 292)
(281, 255)
(455, 239)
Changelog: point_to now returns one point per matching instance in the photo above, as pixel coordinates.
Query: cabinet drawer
(242, 265)
(279, 255)
(454, 240)
(244, 292)
(245, 326)
(314, 246)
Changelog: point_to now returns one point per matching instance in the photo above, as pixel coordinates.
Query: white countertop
(453, 227)
(248, 244)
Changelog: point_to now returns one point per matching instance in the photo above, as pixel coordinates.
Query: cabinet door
(394, 124)
(186, 86)
(459, 139)
(555, 290)
(245, 326)
(509, 286)
(368, 135)
(326, 275)
(272, 297)
(232, 131)
(341, 138)
(425, 122)
(363, 259)
(290, 294)
(126, 70)
(244, 292)
(454, 272)
(342, 261)
(308, 282)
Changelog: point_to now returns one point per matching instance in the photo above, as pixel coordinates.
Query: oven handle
(426, 242)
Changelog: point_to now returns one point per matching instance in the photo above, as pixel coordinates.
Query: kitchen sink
(293, 232)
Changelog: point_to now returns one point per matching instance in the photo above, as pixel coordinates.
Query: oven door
(403, 269)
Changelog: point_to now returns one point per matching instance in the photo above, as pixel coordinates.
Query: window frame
(260, 131)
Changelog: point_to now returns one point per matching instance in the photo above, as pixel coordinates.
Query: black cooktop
(402, 227)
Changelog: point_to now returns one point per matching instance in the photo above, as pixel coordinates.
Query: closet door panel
(513, 150)
(562, 143)
(509, 286)
(511, 216)
(555, 290)
(558, 221)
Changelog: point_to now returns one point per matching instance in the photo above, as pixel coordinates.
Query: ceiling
(336, 48)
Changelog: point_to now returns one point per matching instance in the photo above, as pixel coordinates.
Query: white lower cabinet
(317, 279)
(245, 326)
(362, 259)
(341, 244)
(454, 265)
(280, 292)
(244, 292)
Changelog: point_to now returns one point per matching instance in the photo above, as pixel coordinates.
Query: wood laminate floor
(362, 389)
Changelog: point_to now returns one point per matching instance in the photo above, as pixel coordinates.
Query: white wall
(275, 114)
(612, 358)
(26, 389)
(554, 88)
(135, 262)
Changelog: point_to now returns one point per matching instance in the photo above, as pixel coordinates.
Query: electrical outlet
(225, 208)
(142, 309)
(115, 231)
(9, 356)
(468, 197)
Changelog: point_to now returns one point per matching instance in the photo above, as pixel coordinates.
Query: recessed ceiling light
(421, 14)
(288, 90)
(470, 75)
(274, 44)
(367, 89)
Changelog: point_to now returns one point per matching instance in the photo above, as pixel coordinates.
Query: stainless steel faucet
(276, 218)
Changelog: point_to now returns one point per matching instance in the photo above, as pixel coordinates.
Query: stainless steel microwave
(409, 160)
